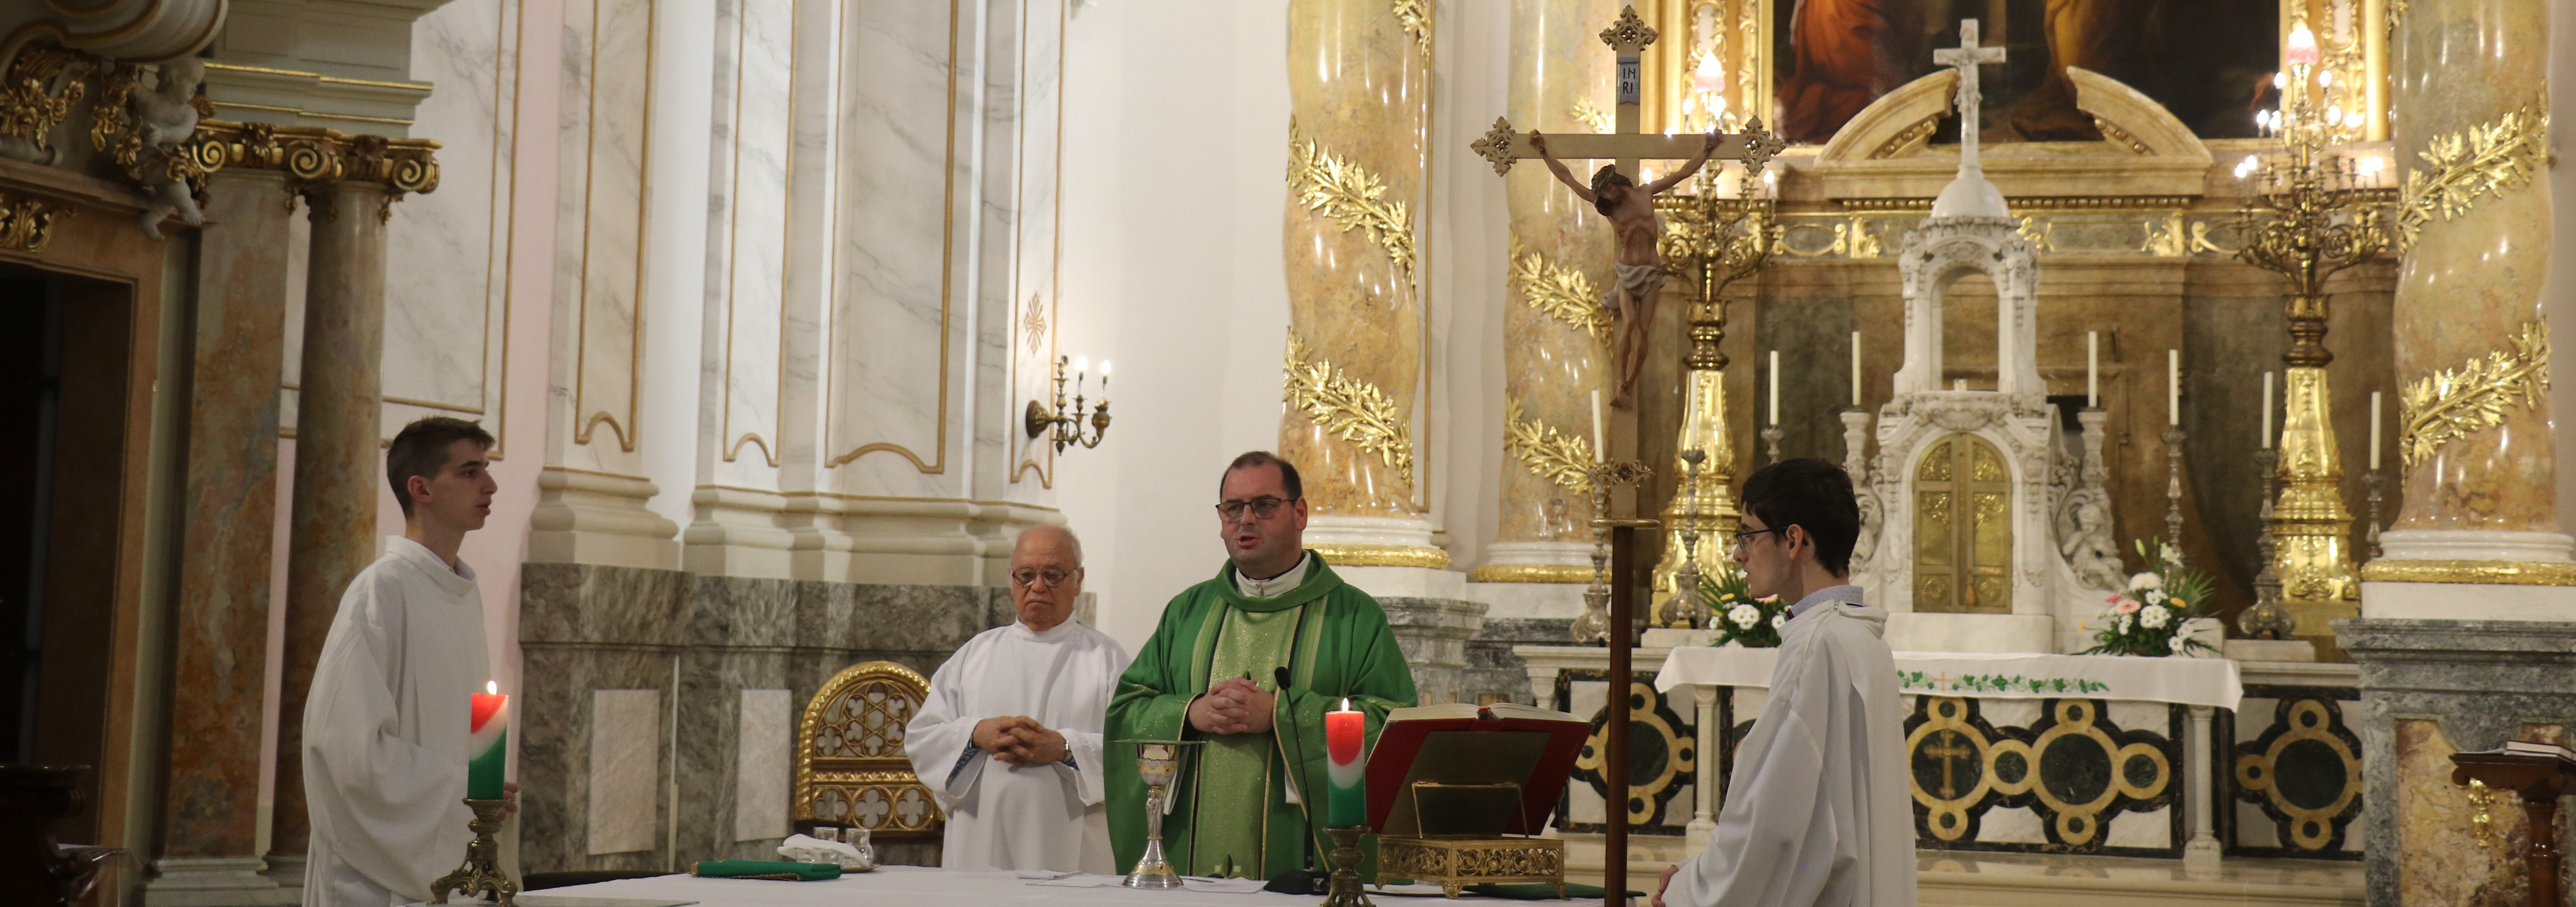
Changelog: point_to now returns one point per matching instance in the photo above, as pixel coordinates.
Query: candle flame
(1346, 703)
(492, 686)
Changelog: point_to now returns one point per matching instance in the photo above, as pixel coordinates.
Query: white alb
(1002, 816)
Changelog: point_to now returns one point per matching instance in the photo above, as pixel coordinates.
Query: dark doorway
(64, 348)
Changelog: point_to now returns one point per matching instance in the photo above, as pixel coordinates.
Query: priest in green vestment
(1210, 673)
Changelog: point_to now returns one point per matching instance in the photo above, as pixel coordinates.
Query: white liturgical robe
(1002, 816)
(386, 730)
(1818, 811)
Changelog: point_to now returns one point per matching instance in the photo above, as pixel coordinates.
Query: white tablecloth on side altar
(2188, 681)
(916, 886)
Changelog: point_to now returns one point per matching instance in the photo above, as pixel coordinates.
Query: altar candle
(2267, 410)
(2092, 369)
(1600, 434)
(2374, 431)
(2173, 387)
(1855, 369)
(1345, 733)
(1775, 387)
(488, 744)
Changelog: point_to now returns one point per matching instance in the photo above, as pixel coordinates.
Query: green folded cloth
(766, 869)
(1536, 891)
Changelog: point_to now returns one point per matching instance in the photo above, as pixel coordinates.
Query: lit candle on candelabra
(2267, 410)
(1345, 734)
(2092, 369)
(488, 743)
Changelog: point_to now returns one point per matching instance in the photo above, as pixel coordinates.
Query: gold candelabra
(2311, 216)
(1065, 424)
(1715, 241)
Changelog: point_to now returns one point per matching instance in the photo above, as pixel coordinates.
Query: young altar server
(1009, 739)
(1818, 812)
(386, 723)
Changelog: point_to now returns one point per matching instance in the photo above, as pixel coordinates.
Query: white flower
(2127, 621)
(1780, 620)
(2155, 617)
(2146, 581)
(2166, 552)
(2155, 596)
(1743, 616)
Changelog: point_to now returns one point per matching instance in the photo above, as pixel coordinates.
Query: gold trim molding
(1558, 457)
(1353, 410)
(1530, 573)
(1359, 555)
(2462, 167)
(1351, 196)
(2482, 573)
(1561, 292)
(2452, 404)
(1415, 16)
(27, 224)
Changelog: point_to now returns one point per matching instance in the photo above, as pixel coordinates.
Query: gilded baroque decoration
(2452, 403)
(850, 766)
(1549, 454)
(27, 224)
(1415, 15)
(2462, 167)
(42, 85)
(2483, 573)
(1353, 410)
(1352, 196)
(1355, 554)
(1560, 291)
(1593, 118)
(1629, 31)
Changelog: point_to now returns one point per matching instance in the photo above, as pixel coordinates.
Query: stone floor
(1967, 879)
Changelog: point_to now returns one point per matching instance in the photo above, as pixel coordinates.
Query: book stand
(1464, 799)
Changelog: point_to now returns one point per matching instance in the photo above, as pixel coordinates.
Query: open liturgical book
(1470, 771)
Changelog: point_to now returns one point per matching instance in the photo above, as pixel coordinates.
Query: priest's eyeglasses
(1262, 508)
(1025, 578)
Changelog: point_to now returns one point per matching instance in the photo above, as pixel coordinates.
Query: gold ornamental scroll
(1555, 330)
(1357, 83)
(2474, 439)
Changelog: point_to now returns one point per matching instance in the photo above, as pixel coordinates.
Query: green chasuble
(1230, 805)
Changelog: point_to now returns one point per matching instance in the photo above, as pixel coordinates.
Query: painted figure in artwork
(1843, 54)
(1631, 211)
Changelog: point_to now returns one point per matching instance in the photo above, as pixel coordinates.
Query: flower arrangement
(1738, 617)
(2147, 618)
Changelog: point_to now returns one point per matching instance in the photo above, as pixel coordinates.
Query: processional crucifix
(1628, 37)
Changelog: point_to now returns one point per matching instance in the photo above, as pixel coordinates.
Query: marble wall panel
(446, 283)
(755, 238)
(606, 94)
(1032, 321)
(992, 274)
(763, 762)
(897, 316)
(554, 761)
(625, 768)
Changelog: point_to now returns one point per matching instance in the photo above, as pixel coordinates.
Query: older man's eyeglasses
(1262, 508)
(1051, 578)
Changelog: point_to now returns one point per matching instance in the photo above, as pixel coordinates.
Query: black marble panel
(2073, 768)
(1663, 755)
(2304, 770)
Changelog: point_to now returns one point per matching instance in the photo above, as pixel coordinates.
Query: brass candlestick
(481, 873)
(2173, 491)
(1682, 611)
(2377, 481)
(2265, 619)
(1346, 891)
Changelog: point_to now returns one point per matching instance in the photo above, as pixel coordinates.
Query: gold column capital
(314, 158)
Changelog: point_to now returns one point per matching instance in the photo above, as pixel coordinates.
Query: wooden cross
(1966, 58)
(1949, 752)
(1629, 37)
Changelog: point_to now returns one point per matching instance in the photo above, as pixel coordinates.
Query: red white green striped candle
(1345, 733)
(489, 744)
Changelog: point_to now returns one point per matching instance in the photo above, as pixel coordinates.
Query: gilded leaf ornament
(1352, 196)
(2450, 404)
(1561, 292)
(1558, 457)
(1353, 410)
(1415, 15)
(42, 85)
(2462, 167)
(1591, 117)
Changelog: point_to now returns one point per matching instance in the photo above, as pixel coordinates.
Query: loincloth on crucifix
(1631, 300)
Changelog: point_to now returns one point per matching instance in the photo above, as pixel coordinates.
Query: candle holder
(1771, 441)
(1682, 611)
(1346, 890)
(2265, 619)
(1158, 762)
(2377, 482)
(2173, 491)
(1063, 427)
(481, 873)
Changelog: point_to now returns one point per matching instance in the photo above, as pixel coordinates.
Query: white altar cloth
(2187, 681)
(919, 886)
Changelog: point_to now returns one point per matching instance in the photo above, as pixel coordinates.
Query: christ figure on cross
(1966, 58)
(1640, 268)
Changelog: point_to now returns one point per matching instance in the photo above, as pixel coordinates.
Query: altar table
(918, 886)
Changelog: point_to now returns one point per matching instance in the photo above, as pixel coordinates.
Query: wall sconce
(1066, 424)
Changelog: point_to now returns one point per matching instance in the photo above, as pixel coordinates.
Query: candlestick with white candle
(1600, 431)
(488, 744)
(2267, 410)
(1345, 735)
(2173, 387)
(1775, 388)
(2092, 369)
(1855, 369)
(2374, 431)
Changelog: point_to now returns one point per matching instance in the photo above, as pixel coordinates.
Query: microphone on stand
(1308, 880)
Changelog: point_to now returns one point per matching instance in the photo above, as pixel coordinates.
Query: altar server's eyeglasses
(1262, 508)
(1742, 537)
(1052, 578)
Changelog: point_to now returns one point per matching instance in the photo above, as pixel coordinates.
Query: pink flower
(2127, 607)
(2113, 600)
(1771, 599)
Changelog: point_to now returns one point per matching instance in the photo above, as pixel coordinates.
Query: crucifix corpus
(1616, 193)
(1966, 58)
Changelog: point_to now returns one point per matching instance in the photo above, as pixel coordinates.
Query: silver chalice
(1159, 763)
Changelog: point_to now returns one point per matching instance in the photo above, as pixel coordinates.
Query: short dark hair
(1813, 493)
(421, 450)
(1287, 472)
(1602, 181)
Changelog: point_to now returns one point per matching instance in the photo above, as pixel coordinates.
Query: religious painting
(2210, 62)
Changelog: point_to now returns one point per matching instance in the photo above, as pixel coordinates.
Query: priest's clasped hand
(1233, 706)
(1019, 740)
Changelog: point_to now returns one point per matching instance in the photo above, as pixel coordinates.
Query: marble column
(1554, 328)
(220, 628)
(331, 534)
(2478, 524)
(1357, 83)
